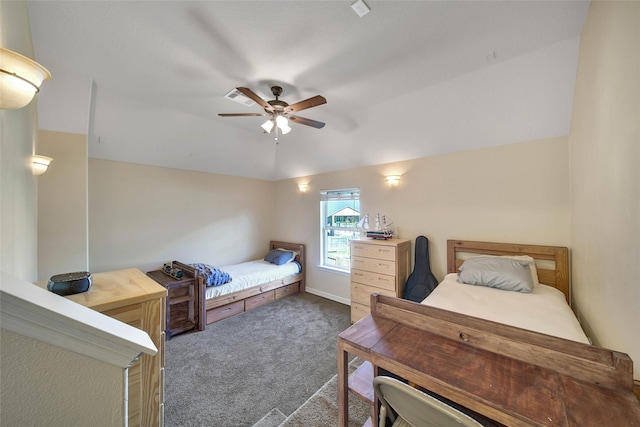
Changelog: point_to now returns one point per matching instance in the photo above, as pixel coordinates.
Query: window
(339, 217)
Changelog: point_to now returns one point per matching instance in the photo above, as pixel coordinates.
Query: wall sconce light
(40, 164)
(303, 187)
(20, 79)
(393, 180)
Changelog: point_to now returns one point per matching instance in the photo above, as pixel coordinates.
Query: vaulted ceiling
(145, 80)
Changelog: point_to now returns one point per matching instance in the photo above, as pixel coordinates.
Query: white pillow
(497, 272)
(532, 265)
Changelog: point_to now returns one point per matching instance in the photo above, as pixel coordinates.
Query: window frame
(337, 195)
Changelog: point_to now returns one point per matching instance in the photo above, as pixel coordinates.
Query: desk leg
(375, 406)
(343, 384)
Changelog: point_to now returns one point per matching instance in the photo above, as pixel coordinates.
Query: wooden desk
(513, 376)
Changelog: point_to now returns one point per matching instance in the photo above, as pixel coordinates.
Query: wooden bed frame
(510, 375)
(218, 308)
(575, 383)
(552, 262)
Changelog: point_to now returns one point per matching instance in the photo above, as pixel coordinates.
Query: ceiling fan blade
(251, 94)
(301, 120)
(240, 114)
(307, 103)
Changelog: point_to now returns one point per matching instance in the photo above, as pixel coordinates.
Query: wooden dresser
(133, 298)
(377, 266)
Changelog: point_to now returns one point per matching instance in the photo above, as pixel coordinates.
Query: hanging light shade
(20, 79)
(285, 129)
(267, 126)
(283, 124)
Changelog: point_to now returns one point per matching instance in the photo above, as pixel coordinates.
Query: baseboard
(326, 295)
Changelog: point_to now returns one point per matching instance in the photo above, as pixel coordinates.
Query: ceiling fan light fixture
(267, 126)
(285, 129)
(282, 121)
(283, 124)
(278, 111)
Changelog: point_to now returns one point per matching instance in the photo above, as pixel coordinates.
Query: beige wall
(604, 147)
(513, 193)
(62, 205)
(43, 385)
(142, 216)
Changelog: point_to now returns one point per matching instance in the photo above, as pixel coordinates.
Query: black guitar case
(421, 282)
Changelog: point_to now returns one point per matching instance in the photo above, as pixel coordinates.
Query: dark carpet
(239, 369)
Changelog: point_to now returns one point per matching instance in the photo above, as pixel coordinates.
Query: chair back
(415, 408)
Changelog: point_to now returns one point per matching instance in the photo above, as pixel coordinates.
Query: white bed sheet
(251, 273)
(544, 310)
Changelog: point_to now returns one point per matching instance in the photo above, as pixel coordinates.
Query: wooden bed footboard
(510, 375)
(223, 306)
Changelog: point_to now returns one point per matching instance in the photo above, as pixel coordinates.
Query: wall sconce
(393, 180)
(303, 187)
(20, 79)
(40, 164)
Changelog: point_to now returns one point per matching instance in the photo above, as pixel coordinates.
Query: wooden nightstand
(184, 308)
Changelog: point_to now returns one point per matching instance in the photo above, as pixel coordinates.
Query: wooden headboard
(552, 262)
(298, 247)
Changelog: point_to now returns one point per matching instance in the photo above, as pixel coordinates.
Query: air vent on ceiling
(237, 96)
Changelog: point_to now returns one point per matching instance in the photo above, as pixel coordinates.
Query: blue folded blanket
(212, 276)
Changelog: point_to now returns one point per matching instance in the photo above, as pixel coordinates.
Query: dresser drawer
(358, 311)
(287, 290)
(381, 281)
(361, 294)
(258, 300)
(374, 265)
(225, 311)
(369, 250)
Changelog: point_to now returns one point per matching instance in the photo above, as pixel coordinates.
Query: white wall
(40, 384)
(18, 186)
(513, 193)
(605, 178)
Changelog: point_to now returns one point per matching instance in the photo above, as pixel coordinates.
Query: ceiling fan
(279, 112)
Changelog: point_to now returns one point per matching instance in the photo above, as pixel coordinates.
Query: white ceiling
(146, 79)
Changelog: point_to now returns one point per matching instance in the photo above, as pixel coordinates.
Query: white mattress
(544, 310)
(251, 273)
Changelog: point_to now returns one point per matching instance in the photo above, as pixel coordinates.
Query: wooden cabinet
(377, 266)
(184, 310)
(133, 298)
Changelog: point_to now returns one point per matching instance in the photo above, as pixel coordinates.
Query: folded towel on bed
(212, 276)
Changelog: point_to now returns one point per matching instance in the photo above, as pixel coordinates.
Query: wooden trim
(512, 376)
(301, 258)
(591, 363)
(29, 310)
(558, 276)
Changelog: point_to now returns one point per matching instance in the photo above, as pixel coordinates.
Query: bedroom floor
(239, 369)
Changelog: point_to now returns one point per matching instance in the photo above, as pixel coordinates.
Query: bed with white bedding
(543, 310)
(542, 306)
(252, 283)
